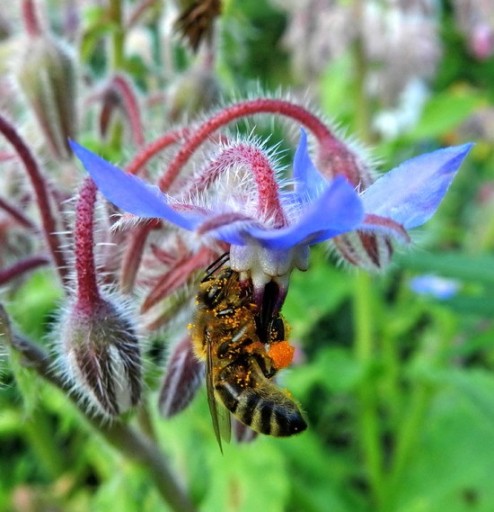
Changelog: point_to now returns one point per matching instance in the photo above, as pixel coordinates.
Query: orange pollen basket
(281, 352)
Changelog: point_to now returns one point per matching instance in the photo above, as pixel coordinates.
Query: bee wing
(220, 416)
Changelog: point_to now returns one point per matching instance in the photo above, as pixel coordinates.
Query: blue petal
(308, 180)
(337, 210)
(411, 193)
(129, 192)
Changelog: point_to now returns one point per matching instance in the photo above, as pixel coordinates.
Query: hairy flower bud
(196, 20)
(46, 75)
(194, 92)
(101, 354)
(370, 251)
(365, 249)
(183, 375)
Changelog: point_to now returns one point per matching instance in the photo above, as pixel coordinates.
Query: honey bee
(239, 366)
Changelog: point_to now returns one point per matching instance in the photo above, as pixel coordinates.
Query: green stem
(362, 104)
(118, 34)
(368, 418)
(368, 421)
(408, 434)
(363, 317)
(391, 387)
(40, 437)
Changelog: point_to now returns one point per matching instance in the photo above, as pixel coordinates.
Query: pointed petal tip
(455, 154)
(460, 150)
(80, 151)
(464, 149)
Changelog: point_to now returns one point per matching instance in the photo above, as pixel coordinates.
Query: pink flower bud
(46, 76)
(101, 356)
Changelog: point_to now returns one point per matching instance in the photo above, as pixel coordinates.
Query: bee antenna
(217, 264)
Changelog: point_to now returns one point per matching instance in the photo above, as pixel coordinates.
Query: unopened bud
(46, 75)
(196, 19)
(370, 251)
(183, 376)
(194, 92)
(101, 353)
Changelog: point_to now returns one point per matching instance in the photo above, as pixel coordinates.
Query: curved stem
(17, 214)
(30, 17)
(260, 167)
(152, 149)
(41, 193)
(139, 11)
(327, 141)
(132, 256)
(131, 105)
(21, 267)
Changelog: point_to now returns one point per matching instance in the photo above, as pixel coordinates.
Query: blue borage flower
(317, 209)
(432, 285)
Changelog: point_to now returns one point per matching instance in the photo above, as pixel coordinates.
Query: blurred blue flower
(315, 208)
(435, 286)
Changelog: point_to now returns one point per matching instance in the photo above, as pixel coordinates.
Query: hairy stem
(140, 10)
(21, 267)
(152, 149)
(30, 17)
(261, 169)
(115, 14)
(40, 187)
(88, 295)
(131, 106)
(17, 214)
(132, 256)
(327, 141)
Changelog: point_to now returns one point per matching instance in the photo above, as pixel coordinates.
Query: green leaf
(466, 267)
(33, 302)
(313, 294)
(451, 468)
(334, 369)
(238, 484)
(482, 305)
(444, 112)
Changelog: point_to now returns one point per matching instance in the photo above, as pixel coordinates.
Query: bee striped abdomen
(261, 406)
